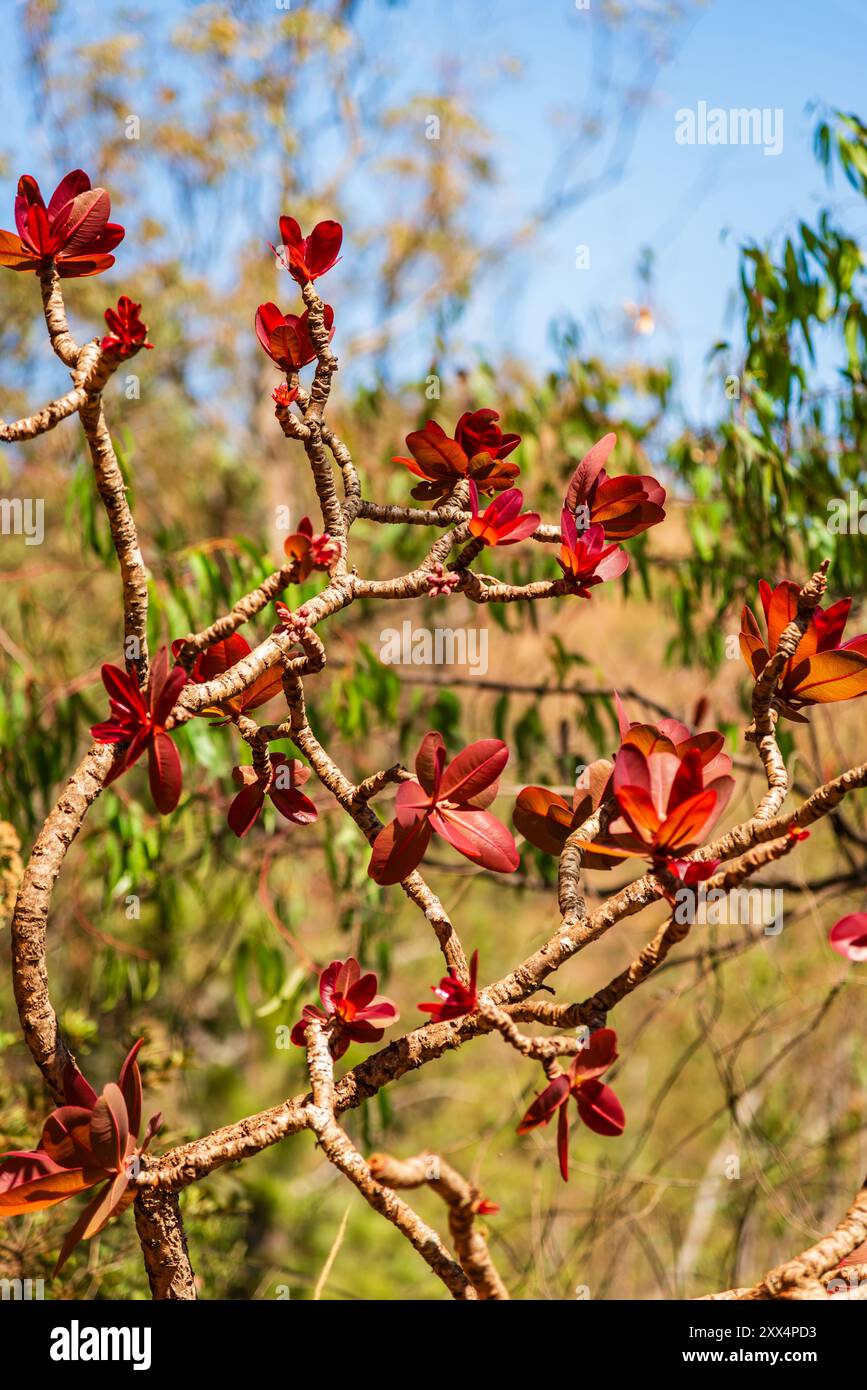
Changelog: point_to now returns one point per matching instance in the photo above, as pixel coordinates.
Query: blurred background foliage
(746, 1052)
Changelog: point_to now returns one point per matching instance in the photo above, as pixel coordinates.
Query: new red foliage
(597, 1105)
(221, 657)
(822, 671)
(87, 1141)
(286, 337)
(584, 557)
(128, 333)
(350, 1004)
(454, 999)
(282, 785)
(501, 522)
(451, 801)
(139, 721)
(73, 231)
(310, 551)
(623, 506)
(306, 258)
(477, 451)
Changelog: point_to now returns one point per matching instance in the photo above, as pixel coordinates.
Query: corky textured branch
(30, 918)
(464, 1202)
(807, 1276)
(160, 1225)
(339, 1150)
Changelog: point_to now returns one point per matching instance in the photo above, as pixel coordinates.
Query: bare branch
(463, 1202)
(339, 1150)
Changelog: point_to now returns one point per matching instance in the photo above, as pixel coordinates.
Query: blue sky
(692, 206)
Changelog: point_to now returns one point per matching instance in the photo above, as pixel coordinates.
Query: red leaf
(323, 247)
(13, 254)
(94, 1217)
(398, 851)
(293, 805)
(429, 761)
(70, 186)
(545, 1104)
(246, 809)
(563, 1142)
(829, 676)
(172, 687)
(109, 1128)
(264, 688)
(543, 818)
(600, 1109)
(688, 780)
(129, 1082)
(478, 835)
(77, 1090)
(686, 824)
(588, 470)
(221, 656)
(44, 1191)
(123, 691)
(435, 452)
(88, 215)
(848, 937)
(638, 809)
(597, 1057)
(65, 1137)
(780, 605)
(166, 775)
(337, 978)
(476, 768)
(412, 803)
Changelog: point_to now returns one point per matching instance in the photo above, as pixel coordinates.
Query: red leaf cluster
(454, 999)
(138, 720)
(623, 506)
(597, 1105)
(501, 523)
(450, 800)
(286, 337)
(656, 764)
(128, 333)
(584, 557)
(308, 257)
(282, 785)
(822, 671)
(668, 802)
(73, 231)
(87, 1141)
(221, 657)
(477, 451)
(350, 1004)
(282, 396)
(547, 819)
(477, 432)
(310, 551)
